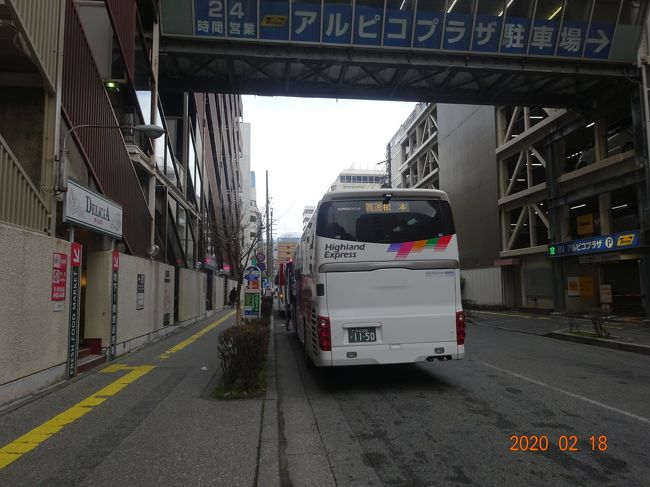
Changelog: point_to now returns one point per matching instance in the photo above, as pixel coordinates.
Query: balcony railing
(20, 202)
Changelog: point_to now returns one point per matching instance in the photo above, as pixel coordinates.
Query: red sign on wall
(116, 260)
(59, 276)
(75, 260)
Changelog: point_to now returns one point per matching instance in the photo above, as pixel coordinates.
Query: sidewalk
(631, 334)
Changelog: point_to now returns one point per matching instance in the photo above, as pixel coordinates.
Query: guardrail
(20, 202)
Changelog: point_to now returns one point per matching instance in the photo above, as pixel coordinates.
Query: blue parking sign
(305, 22)
(428, 29)
(274, 20)
(458, 30)
(515, 35)
(571, 39)
(599, 40)
(487, 33)
(398, 28)
(367, 25)
(209, 18)
(337, 23)
(544, 37)
(242, 19)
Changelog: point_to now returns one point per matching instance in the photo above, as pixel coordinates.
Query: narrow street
(451, 423)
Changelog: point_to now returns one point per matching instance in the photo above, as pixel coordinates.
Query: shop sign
(91, 210)
(252, 274)
(140, 292)
(592, 245)
(59, 276)
(114, 283)
(585, 224)
(75, 266)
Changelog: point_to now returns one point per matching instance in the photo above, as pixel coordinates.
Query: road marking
(180, 346)
(571, 394)
(17, 448)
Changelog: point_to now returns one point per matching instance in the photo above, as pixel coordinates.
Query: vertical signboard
(253, 276)
(252, 303)
(114, 281)
(59, 278)
(73, 339)
(140, 292)
(168, 298)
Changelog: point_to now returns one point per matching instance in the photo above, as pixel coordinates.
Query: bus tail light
(324, 333)
(460, 328)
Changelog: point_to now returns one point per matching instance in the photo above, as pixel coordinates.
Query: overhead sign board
(85, 208)
(603, 31)
(592, 245)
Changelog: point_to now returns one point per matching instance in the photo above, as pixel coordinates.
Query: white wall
(134, 326)
(191, 296)
(33, 337)
(483, 286)
(218, 284)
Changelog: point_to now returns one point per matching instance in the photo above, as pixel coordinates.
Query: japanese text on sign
(423, 27)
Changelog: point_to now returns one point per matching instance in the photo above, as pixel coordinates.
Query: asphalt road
(161, 428)
(453, 423)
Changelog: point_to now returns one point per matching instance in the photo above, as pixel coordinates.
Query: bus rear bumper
(395, 354)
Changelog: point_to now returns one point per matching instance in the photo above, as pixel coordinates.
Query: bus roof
(380, 192)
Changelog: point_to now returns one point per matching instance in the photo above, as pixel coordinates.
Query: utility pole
(271, 257)
(269, 244)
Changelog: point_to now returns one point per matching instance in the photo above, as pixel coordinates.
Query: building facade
(357, 179)
(285, 246)
(113, 229)
(549, 204)
(306, 215)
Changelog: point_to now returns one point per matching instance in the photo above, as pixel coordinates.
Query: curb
(600, 342)
(268, 463)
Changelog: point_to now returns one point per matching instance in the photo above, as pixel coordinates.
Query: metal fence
(20, 202)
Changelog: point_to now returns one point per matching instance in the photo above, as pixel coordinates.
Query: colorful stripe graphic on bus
(404, 249)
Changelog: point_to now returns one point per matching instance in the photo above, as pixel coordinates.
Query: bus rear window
(373, 221)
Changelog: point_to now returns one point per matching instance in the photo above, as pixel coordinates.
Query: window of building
(624, 209)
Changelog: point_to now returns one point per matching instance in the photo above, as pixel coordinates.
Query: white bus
(378, 280)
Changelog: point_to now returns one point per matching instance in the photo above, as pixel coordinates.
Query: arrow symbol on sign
(603, 40)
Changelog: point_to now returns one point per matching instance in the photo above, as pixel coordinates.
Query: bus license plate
(360, 335)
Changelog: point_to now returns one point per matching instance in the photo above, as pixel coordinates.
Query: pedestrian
(232, 297)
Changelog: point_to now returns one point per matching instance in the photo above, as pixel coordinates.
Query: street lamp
(151, 131)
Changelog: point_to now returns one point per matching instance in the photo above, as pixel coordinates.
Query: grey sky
(306, 142)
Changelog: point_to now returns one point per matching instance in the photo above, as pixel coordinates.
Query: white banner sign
(91, 210)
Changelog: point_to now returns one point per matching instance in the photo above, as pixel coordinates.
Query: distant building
(359, 179)
(414, 159)
(306, 215)
(285, 248)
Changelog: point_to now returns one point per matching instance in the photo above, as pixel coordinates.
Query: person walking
(232, 297)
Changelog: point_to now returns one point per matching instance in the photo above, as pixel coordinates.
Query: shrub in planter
(262, 325)
(242, 351)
